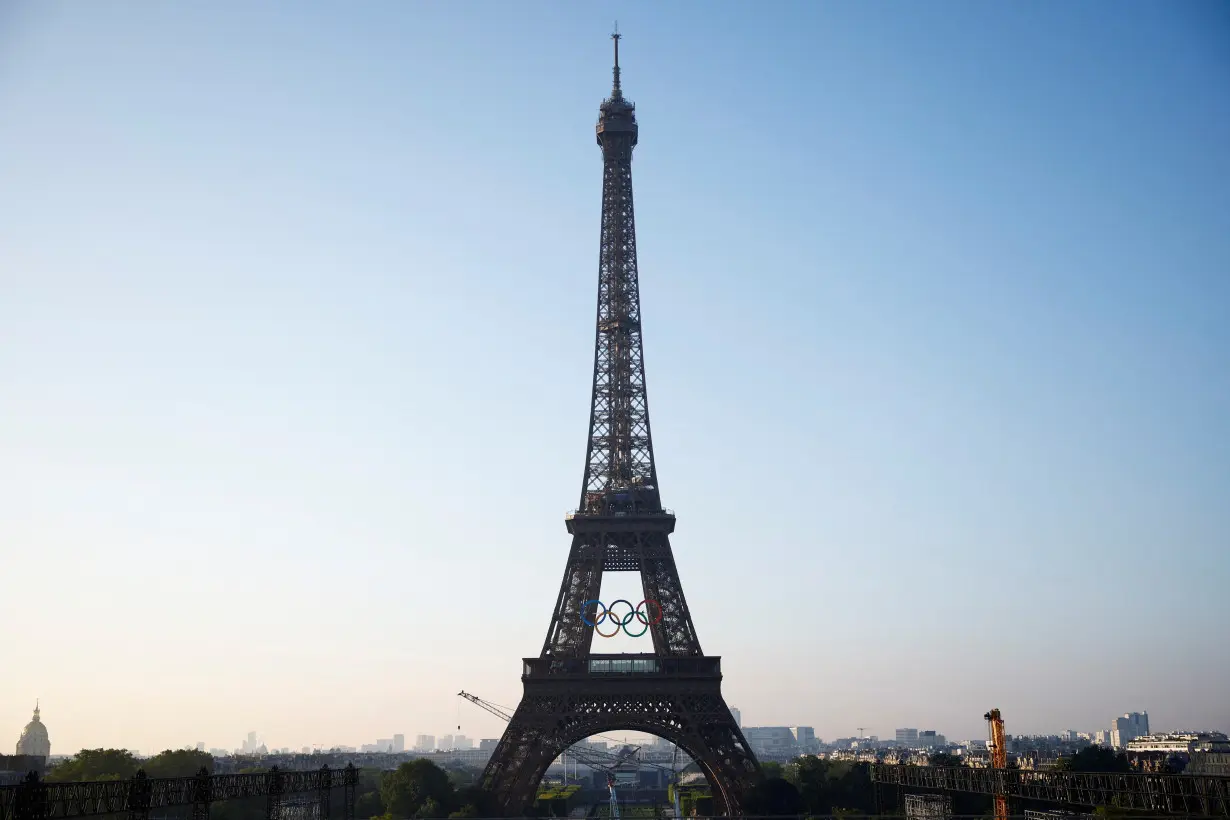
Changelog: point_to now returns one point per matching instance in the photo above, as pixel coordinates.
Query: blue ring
(601, 617)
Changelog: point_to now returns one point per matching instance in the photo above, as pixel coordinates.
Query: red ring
(642, 618)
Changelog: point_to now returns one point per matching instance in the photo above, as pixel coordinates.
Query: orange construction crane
(998, 748)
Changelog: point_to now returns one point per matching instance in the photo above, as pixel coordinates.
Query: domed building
(34, 740)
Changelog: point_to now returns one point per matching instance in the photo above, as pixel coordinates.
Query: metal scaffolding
(928, 807)
(1157, 793)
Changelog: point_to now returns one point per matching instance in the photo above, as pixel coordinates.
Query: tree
(431, 810)
(95, 764)
(462, 775)
(419, 789)
(367, 794)
(831, 786)
(773, 796)
(178, 763)
(770, 769)
(479, 800)
(368, 805)
(944, 759)
(1095, 759)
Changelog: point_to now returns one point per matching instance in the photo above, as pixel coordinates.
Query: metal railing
(621, 666)
(36, 799)
(1160, 793)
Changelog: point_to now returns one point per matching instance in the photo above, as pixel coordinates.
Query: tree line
(417, 789)
(421, 790)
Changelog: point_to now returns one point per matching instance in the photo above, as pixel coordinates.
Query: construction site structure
(300, 808)
(997, 745)
(1055, 814)
(928, 807)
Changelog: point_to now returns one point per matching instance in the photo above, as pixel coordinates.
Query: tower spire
(615, 89)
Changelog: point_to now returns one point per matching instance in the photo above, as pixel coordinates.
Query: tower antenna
(615, 35)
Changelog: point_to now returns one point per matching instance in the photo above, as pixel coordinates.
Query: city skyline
(299, 329)
(440, 741)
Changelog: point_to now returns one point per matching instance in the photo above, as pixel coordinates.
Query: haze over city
(298, 314)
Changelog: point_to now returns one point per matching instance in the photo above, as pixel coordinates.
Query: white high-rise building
(738, 716)
(907, 738)
(1129, 727)
(805, 737)
(424, 743)
(775, 743)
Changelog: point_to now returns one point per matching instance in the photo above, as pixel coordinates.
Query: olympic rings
(641, 612)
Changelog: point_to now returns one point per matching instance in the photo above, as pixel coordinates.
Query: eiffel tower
(620, 526)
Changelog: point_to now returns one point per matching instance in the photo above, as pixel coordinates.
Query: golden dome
(34, 740)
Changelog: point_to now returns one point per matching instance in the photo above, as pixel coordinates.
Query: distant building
(907, 738)
(488, 744)
(931, 739)
(737, 715)
(424, 743)
(399, 743)
(775, 743)
(1129, 727)
(34, 740)
(1180, 743)
(805, 737)
(446, 744)
(1209, 763)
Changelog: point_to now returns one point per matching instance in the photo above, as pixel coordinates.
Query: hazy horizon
(297, 316)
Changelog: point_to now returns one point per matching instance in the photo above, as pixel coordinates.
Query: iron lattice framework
(38, 800)
(620, 526)
(1156, 793)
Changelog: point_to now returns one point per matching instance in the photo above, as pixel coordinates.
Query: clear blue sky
(296, 306)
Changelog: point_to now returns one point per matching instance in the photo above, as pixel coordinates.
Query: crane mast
(490, 707)
(997, 746)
